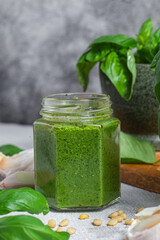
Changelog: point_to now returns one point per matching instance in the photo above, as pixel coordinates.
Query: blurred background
(41, 41)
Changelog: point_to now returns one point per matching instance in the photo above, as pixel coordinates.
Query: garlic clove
(23, 161)
(147, 229)
(146, 212)
(18, 179)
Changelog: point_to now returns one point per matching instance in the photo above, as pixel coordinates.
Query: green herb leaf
(155, 61)
(147, 46)
(134, 150)
(132, 67)
(145, 33)
(98, 52)
(23, 199)
(146, 54)
(83, 69)
(155, 39)
(10, 150)
(27, 228)
(115, 67)
(120, 40)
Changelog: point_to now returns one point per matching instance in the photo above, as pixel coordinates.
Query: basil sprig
(23, 199)
(117, 61)
(113, 52)
(27, 228)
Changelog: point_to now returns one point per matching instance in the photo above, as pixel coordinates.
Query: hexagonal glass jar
(77, 153)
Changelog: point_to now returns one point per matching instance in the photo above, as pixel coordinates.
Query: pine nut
(124, 216)
(71, 230)
(59, 229)
(120, 212)
(83, 216)
(114, 214)
(64, 223)
(97, 222)
(140, 209)
(128, 222)
(112, 222)
(52, 223)
(119, 218)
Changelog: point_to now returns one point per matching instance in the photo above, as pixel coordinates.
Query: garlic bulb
(147, 227)
(17, 170)
(23, 161)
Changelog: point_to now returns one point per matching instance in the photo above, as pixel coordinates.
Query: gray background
(41, 40)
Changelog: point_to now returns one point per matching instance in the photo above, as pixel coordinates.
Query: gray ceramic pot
(139, 116)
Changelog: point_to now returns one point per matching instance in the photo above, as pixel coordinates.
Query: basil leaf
(23, 199)
(98, 52)
(132, 67)
(10, 150)
(155, 60)
(134, 150)
(115, 67)
(27, 228)
(119, 39)
(155, 39)
(83, 69)
(145, 33)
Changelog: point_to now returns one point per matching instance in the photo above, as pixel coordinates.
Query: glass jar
(77, 153)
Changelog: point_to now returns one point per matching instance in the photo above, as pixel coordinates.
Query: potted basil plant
(125, 75)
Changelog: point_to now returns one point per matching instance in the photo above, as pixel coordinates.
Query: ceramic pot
(139, 115)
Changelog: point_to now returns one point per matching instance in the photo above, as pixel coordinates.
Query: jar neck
(67, 107)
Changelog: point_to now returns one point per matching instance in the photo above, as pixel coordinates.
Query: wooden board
(142, 175)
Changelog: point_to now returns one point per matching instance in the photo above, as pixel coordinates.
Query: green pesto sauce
(77, 165)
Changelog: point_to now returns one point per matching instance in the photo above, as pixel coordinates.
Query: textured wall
(41, 40)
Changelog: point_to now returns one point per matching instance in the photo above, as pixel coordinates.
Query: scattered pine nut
(124, 216)
(71, 230)
(112, 222)
(119, 218)
(128, 222)
(114, 214)
(120, 212)
(64, 223)
(59, 229)
(83, 216)
(140, 209)
(52, 223)
(97, 222)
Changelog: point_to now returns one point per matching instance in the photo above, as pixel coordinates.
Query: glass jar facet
(77, 155)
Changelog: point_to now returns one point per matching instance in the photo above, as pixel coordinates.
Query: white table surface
(131, 197)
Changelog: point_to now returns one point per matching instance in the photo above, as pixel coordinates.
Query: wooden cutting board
(142, 175)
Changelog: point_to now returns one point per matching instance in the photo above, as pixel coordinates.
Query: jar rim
(78, 96)
(85, 106)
